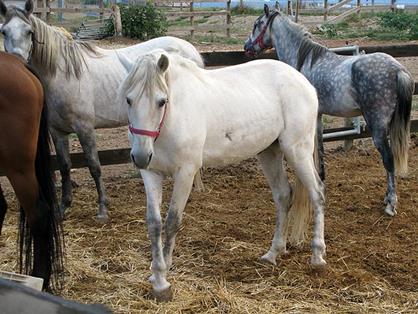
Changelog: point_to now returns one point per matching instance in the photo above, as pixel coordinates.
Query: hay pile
(372, 259)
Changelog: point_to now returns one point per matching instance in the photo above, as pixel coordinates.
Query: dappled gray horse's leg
(64, 163)
(381, 141)
(86, 135)
(320, 148)
(272, 163)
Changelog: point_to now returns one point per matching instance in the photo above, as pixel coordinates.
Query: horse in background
(25, 160)
(184, 117)
(82, 81)
(373, 85)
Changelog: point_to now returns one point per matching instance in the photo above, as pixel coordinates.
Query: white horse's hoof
(318, 264)
(165, 295)
(390, 210)
(268, 258)
(151, 279)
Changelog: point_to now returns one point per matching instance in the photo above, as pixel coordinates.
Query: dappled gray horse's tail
(400, 123)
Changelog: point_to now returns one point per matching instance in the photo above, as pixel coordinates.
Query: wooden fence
(122, 155)
(339, 11)
(177, 11)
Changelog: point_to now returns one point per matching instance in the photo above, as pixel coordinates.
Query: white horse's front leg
(153, 188)
(183, 182)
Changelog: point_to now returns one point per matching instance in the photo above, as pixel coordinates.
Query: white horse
(81, 85)
(183, 117)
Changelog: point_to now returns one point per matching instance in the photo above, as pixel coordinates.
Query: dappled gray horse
(375, 86)
(82, 82)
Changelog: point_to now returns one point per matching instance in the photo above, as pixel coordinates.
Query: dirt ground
(372, 259)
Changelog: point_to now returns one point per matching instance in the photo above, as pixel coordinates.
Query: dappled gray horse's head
(17, 29)
(260, 38)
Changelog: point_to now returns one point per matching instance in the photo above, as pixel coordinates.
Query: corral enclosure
(372, 259)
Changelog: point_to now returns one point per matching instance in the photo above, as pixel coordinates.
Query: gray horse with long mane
(374, 85)
(81, 85)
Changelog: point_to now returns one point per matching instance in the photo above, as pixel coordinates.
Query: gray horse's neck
(294, 46)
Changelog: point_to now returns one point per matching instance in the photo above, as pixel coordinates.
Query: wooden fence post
(358, 5)
(297, 11)
(60, 14)
(325, 10)
(117, 20)
(228, 18)
(101, 7)
(191, 21)
(392, 5)
(289, 7)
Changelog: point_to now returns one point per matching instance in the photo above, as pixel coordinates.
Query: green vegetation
(141, 21)
(396, 25)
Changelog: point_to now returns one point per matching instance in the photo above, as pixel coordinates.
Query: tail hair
(400, 123)
(300, 213)
(52, 224)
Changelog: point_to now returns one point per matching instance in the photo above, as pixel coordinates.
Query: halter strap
(154, 134)
(260, 37)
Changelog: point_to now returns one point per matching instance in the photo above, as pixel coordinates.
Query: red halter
(153, 134)
(260, 37)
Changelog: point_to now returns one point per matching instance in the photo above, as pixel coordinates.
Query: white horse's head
(17, 29)
(146, 95)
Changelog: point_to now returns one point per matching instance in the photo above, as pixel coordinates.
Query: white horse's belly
(238, 142)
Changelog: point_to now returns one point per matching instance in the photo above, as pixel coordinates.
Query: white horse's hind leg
(153, 189)
(183, 182)
(303, 162)
(271, 161)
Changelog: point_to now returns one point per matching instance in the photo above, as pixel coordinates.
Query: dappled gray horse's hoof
(390, 210)
(165, 295)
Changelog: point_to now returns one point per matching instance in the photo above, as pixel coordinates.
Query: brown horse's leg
(27, 192)
(3, 208)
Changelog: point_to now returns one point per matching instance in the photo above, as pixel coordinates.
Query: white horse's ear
(163, 63)
(266, 9)
(28, 7)
(3, 9)
(127, 64)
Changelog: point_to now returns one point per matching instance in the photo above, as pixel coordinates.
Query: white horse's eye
(162, 102)
(129, 101)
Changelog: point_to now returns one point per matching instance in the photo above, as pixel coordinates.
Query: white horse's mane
(145, 74)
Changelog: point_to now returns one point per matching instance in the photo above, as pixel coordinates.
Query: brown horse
(25, 160)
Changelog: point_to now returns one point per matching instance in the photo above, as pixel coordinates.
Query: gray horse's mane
(50, 43)
(306, 46)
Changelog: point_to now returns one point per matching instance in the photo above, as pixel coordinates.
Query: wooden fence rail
(224, 58)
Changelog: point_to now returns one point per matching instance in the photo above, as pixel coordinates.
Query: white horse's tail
(400, 123)
(300, 213)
